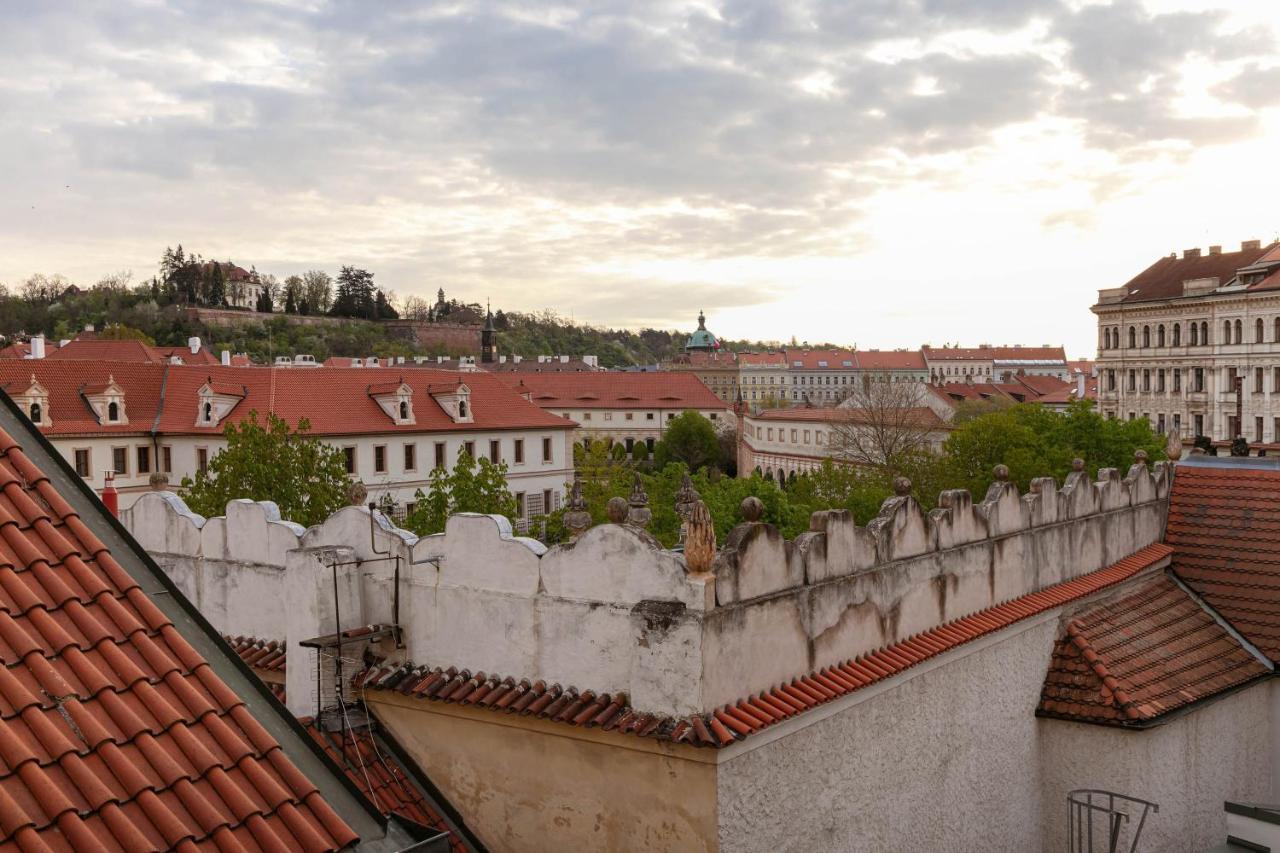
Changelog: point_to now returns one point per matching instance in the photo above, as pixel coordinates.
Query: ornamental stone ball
(1001, 473)
(159, 481)
(1077, 464)
(617, 509)
(752, 508)
(1140, 456)
(356, 493)
(901, 486)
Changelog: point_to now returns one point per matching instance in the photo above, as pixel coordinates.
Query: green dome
(702, 339)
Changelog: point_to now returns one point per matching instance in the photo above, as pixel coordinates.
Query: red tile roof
(753, 358)
(957, 391)
(1224, 526)
(345, 408)
(370, 763)
(107, 350)
(811, 359)
(1134, 659)
(841, 415)
(660, 390)
(1164, 278)
(114, 732)
(734, 722)
(1041, 385)
(890, 359)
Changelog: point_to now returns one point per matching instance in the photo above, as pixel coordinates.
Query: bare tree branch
(883, 422)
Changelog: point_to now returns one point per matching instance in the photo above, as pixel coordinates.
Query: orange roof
(335, 400)
(115, 733)
(1224, 526)
(842, 415)
(100, 350)
(1134, 659)
(1164, 278)
(734, 722)
(875, 359)
(778, 359)
(821, 359)
(660, 390)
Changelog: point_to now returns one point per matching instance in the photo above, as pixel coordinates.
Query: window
(113, 411)
(519, 504)
(1199, 424)
(1226, 331)
(519, 451)
(36, 415)
(1257, 331)
(608, 416)
(1106, 339)
(379, 459)
(586, 416)
(1239, 332)
(1133, 380)
(770, 436)
(1233, 427)
(166, 454)
(1111, 380)
(648, 416)
(462, 409)
(1177, 380)
(1257, 380)
(1199, 386)
(1275, 382)
(404, 410)
(546, 450)
(1195, 335)
(144, 460)
(208, 412)
(440, 460)
(1146, 336)
(1146, 380)
(410, 457)
(202, 458)
(1160, 381)
(1160, 335)
(1177, 423)
(1204, 333)
(630, 415)
(1276, 334)
(495, 451)
(1257, 425)
(1133, 338)
(469, 447)
(1133, 416)
(1160, 423)
(120, 460)
(546, 501)
(793, 436)
(82, 462)
(1177, 334)
(349, 456)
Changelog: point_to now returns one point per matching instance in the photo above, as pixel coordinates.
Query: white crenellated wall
(614, 612)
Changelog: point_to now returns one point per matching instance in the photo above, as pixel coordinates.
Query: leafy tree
(294, 293)
(290, 305)
(305, 477)
(618, 451)
(470, 487)
(319, 290)
(690, 439)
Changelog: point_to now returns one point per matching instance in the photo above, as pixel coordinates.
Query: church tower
(488, 339)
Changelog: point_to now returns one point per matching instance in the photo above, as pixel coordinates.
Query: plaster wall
(1188, 766)
(945, 759)
(529, 786)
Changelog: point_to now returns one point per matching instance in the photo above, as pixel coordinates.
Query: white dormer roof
(395, 399)
(34, 402)
(215, 400)
(455, 399)
(106, 399)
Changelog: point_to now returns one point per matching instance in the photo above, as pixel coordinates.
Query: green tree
(355, 295)
(306, 478)
(690, 439)
(470, 487)
(639, 452)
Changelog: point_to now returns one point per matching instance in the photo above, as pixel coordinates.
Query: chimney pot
(226, 358)
(37, 347)
(1190, 253)
(1215, 250)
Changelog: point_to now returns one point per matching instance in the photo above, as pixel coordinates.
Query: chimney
(194, 345)
(1190, 253)
(226, 358)
(37, 346)
(439, 359)
(564, 359)
(516, 359)
(88, 327)
(502, 359)
(1250, 245)
(1215, 250)
(110, 497)
(1080, 385)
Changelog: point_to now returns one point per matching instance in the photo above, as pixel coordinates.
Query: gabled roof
(658, 390)
(1224, 526)
(734, 722)
(66, 381)
(1132, 660)
(1164, 278)
(115, 733)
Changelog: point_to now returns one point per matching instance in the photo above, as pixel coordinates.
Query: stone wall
(615, 612)
(453, 338)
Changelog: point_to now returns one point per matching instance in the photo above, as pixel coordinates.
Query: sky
(879, 173)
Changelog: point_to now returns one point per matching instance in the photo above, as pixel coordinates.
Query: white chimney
(194, 345)
(37, 346)
(439, 359)
(1079, 384)
(226, 358)
(564, 359)
(516, 359)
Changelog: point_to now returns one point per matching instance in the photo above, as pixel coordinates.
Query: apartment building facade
(1193, 344)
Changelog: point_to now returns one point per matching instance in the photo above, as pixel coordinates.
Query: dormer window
(37, 414)
(404, 410)
(107, 401)
(216, 400)
(113, 412)
(455, 400)
(208, 412)
(395, 399)
(462, 409)
(35, 402)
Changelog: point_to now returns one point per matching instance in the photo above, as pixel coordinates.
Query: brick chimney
(1215, 250)
(1250, 245)
(1190, 253)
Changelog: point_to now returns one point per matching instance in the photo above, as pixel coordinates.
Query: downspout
(155, 425)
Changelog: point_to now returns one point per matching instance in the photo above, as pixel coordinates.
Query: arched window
(1177, 334)
(113, 411)
(1146, 336)
(1106, 339)
(1226, 331)
(1277, 333)
(36, 413)
(1204, 333)
(1239, 332)
(462, 408)
(1160, 335)
(1133, 338)
(1258, 331)
(404, 411)
(1195, 335)
(208, 411)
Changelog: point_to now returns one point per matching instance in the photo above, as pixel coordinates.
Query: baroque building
(1193, 344)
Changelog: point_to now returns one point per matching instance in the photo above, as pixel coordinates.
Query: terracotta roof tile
(664, 389)
(114, 732)
(1132, 660)
(995, 353)
(741, 719)
(1224, 526)
(1164, 278)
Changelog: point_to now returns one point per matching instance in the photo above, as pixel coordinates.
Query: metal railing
(1092, 811)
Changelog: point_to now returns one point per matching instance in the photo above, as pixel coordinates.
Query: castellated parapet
(615, 612)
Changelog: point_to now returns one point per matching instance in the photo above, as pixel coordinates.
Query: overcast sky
(874, 172)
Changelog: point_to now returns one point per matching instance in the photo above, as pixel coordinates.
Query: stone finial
(752, 508)
(356, 493)
(686, 497)
(1173, 446)
(639, 513)
(576, 517)
(1239, 447)
(700, 539)
(1001, 473)
(159, 481)
(617, 509)
(1140, 457)
(1077, 464)
(901, 486)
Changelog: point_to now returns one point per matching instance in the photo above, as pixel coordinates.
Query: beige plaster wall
(526, 785)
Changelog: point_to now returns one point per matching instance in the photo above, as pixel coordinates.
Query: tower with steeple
(702, 340)
(488, 338)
